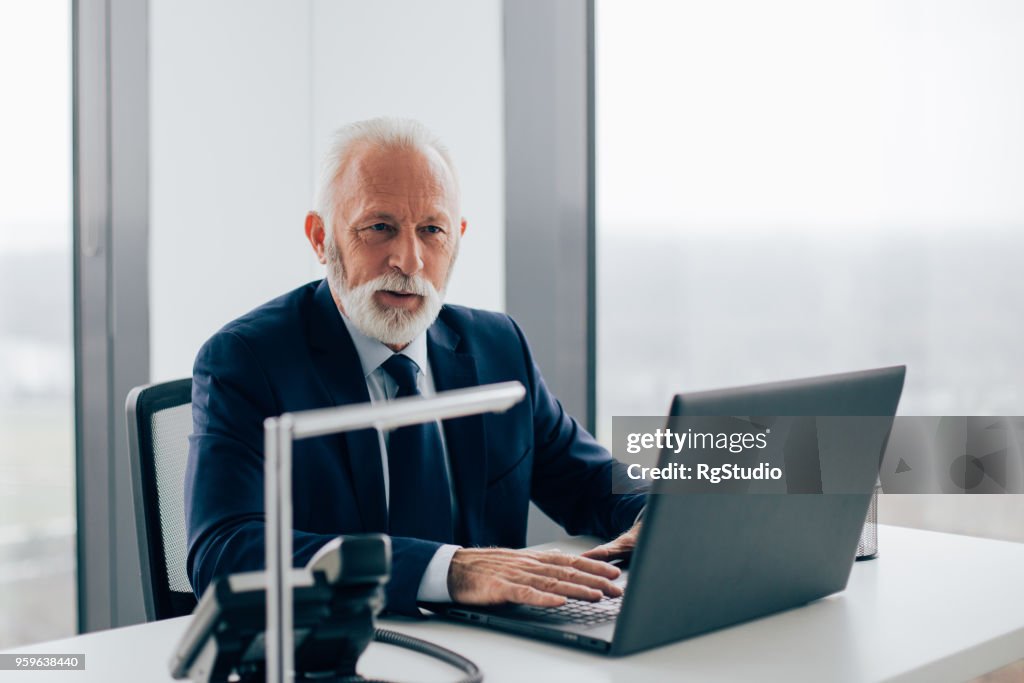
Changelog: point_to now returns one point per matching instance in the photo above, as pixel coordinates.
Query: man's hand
(619, 547)
(492, 576)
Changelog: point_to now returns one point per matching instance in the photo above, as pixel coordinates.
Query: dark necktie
(420, 503)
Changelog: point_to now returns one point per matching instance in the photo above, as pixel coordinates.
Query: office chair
(159, 424)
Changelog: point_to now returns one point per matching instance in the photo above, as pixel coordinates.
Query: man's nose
(406, 253)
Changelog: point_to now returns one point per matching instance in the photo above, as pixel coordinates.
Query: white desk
(934, 607)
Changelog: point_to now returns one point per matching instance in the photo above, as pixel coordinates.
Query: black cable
(454, 659)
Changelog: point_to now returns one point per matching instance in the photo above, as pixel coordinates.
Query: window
(37, 495)
(802, 187)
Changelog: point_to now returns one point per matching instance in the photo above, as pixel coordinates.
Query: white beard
(387, 324)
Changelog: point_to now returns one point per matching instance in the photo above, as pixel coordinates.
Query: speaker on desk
(867, 546)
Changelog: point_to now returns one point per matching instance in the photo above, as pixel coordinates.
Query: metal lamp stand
(280, 432)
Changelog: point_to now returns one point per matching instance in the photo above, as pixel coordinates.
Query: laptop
(708, 560)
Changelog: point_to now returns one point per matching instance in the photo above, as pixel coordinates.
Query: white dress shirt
(382, 387)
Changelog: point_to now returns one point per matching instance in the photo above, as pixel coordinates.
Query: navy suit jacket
(294, 353)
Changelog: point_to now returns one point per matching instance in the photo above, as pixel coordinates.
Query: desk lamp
(280, 432)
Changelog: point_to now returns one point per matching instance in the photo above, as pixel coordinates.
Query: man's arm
(224, 512)
(572, 483)
(572, 472)
(238, 548)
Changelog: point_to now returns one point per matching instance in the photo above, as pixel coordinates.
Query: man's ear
(315, 234)
(462, 228)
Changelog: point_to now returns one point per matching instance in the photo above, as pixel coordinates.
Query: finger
(607, 551)
(584, 564)
(550, 584)
(600, 552)
(562, 569)
(527, 595)
(623, 545)
(570, 575)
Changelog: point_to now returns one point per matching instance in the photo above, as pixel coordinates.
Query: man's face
(394, 240)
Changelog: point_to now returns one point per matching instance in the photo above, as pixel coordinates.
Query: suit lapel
(464, 437)
(341, 373)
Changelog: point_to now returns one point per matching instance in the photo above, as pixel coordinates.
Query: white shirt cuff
(434, 584)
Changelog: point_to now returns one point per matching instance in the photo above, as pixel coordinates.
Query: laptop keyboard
(580, 612)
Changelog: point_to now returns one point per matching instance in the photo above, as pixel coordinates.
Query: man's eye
(380, 227)
(433, 229)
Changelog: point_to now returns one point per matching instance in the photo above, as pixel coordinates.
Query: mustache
(397, 282)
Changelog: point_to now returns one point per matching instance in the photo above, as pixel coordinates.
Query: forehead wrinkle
(374, 174)
(415, 206)
(383, 182)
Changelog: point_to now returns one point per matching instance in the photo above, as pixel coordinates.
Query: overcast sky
(734, 113)
(810, 114)
(35, 124)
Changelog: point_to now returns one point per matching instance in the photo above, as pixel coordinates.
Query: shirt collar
(372, 352)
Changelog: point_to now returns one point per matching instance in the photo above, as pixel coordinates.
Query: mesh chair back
(159, 424)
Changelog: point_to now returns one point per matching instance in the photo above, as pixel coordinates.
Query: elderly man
(453, 496)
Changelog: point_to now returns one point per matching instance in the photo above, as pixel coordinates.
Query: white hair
(385, 132)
